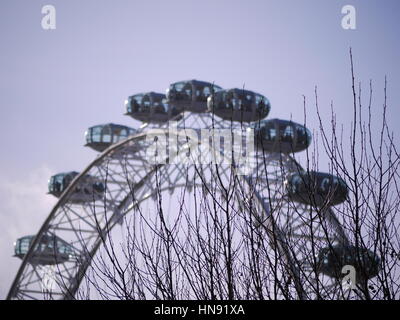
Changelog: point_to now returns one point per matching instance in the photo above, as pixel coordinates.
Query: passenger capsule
(331, 260)
(316, 188)
(100, 137)
(150, 107)
(89, 188)
(283, 136)
(239, 105)
(191, 95)
(49, 251)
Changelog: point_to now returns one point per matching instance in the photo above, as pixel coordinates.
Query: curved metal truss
(289, 234)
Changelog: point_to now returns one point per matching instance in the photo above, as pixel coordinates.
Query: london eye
(302, 245)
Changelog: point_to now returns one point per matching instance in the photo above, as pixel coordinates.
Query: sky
(54, 84)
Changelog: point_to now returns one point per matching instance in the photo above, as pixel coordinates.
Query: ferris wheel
(302, 246)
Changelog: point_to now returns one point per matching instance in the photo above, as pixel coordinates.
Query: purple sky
(55, 84)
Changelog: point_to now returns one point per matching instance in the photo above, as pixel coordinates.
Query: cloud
(24, 205)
